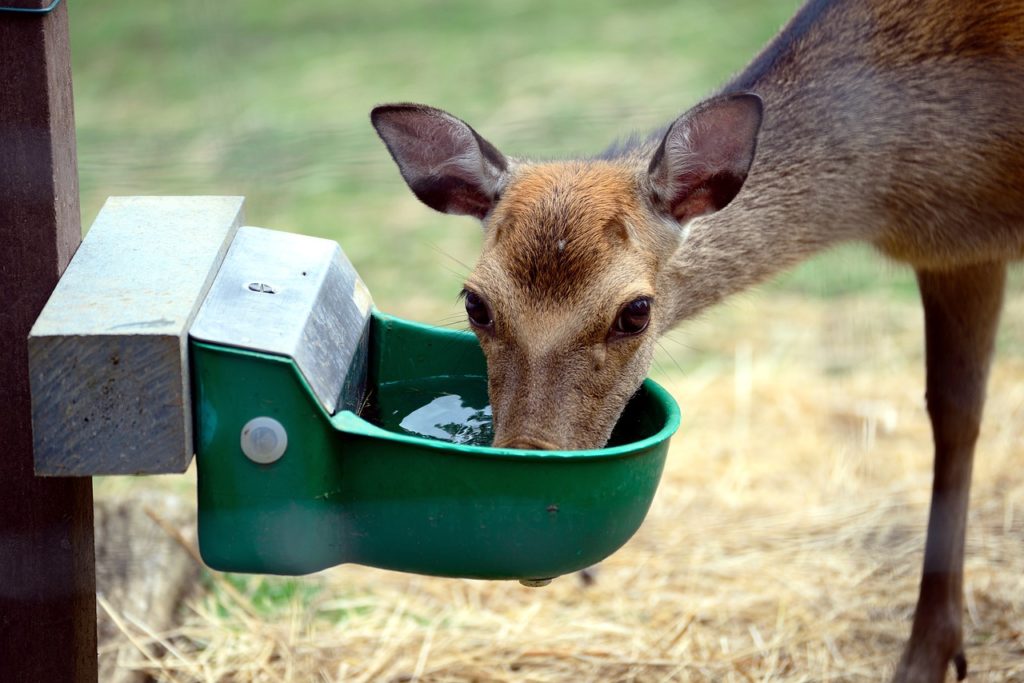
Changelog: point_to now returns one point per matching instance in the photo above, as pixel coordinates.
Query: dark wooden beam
(47, 568)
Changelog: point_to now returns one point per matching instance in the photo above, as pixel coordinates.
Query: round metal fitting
(535, 583)
(264, 440)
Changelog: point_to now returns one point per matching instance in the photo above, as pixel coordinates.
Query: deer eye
(478, 311)
(633, 317)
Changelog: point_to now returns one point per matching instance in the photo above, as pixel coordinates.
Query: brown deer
(895, 122)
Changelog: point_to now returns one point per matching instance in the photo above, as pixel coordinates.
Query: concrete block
(108, 356)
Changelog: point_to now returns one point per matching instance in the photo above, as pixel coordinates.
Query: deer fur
(899, 123)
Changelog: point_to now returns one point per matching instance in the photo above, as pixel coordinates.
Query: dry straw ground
(784, 543)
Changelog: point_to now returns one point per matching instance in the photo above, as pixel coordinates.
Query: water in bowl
(453, 409)
(456, 409)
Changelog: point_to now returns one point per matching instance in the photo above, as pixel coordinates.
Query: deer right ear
(705, 156)
(445, 163)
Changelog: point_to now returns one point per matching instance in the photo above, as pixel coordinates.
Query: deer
(897, 123)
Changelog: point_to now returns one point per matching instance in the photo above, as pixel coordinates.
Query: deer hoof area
(923, 664)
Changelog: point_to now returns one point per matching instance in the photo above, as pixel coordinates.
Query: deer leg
(961, 313)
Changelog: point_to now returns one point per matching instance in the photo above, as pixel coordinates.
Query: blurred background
(271, 99)
(785, 541)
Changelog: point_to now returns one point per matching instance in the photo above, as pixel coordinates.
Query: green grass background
(270, 100)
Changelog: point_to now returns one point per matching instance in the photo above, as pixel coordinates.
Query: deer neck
(797, 201)
(810, 186)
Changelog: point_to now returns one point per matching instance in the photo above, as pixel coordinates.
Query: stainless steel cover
(295, 296)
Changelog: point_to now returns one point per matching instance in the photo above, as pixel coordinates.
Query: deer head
(575, 281)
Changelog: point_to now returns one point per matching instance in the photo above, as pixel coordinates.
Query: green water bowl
(349, 490)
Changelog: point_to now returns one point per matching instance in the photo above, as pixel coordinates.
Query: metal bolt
(264, 440)
(262, 288)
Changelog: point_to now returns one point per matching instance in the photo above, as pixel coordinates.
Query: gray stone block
(108, 356)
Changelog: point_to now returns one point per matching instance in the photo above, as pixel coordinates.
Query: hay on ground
(784, 544)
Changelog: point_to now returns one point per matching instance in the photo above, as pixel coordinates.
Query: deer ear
(445, 163)
(704, 157)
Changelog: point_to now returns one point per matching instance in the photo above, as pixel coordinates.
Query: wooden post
(47, 567)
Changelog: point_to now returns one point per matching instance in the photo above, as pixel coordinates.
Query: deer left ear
(705, 156)
(444, 161)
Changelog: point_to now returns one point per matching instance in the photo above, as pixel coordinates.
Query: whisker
(454, 324)
(450, 320)
(677, 342)
(458, 276)
(442, 252)
(671, 357)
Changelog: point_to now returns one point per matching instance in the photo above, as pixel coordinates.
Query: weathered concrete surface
(108, 355)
